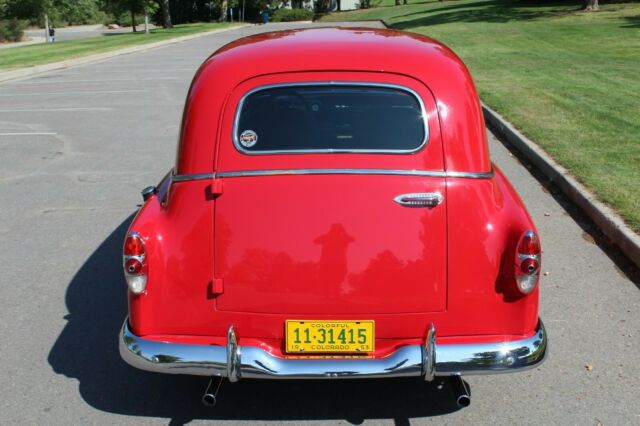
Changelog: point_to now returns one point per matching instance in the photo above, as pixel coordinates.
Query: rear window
(332, 117)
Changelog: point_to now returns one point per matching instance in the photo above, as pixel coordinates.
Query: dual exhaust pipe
(460, 391)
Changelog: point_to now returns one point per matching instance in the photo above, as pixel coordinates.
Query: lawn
(569, 80)
(25, 56)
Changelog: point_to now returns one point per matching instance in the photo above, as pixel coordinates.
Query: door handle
(420, 199)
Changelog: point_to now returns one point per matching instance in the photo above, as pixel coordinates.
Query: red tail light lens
(133, 266)
(529, 266)
(133, 245)
(528, 262)
(133, 262)
(529, 244)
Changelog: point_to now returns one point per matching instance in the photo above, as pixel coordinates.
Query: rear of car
(337, 231)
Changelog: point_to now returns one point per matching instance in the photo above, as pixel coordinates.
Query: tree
(223, 11)
(590, 5)
(166, 14)
(134, 7)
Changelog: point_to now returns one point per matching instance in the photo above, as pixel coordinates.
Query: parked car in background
(333, 213)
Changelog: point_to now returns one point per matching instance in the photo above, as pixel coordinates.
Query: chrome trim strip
(196, 176)
(279, 172)
(471, 175)
(256, 363)
(425, 119)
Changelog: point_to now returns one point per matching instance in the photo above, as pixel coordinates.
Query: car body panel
(254, 251)
(329, 244)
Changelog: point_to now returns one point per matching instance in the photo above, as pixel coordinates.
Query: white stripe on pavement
(107, 80)
(87, 92)
(56, 109)
(29, 134)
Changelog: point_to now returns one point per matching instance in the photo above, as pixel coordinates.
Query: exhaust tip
(463, 401)
(209, 400)
(461, 392)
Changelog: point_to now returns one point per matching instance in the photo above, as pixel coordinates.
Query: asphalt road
(76, 146)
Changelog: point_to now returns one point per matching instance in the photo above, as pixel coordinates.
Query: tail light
(133, 262)
(527, 269)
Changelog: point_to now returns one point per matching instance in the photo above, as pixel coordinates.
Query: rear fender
(486, 219)
(173, 225)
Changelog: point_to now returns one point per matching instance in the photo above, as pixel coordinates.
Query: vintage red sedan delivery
(333, 213)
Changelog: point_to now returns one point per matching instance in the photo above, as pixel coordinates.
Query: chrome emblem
(248, 138)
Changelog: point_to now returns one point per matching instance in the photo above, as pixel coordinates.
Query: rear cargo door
(322, 209)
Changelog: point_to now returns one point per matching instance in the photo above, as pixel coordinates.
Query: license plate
(330, 336)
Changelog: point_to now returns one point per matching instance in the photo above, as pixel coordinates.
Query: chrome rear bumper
(251, 362)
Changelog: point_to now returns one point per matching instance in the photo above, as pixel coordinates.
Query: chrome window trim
(425, 119)
(284, 172)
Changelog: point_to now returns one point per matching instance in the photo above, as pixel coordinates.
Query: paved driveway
(76, 146)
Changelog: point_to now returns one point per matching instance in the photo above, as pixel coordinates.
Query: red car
(332, 213)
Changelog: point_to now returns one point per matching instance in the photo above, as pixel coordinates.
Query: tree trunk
(46, 27)
(223, 11)
(146, 20)
(133, 20)
(397, 2)
(166, 14)
(590, 5)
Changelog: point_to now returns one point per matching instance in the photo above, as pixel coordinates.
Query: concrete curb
(39, 69)
(606, 219)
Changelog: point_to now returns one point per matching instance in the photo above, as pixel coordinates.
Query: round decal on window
(248, 138)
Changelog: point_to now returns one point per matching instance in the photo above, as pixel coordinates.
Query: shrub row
(288, 15)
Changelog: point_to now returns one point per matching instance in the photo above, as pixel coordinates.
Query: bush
(369, 4)
(11, 30)
(123, 19)
(79, 12)
(288, 15)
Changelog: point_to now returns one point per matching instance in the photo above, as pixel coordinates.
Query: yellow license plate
(330, 336)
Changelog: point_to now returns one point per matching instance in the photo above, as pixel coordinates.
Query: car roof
(335, 48)
(381, 51)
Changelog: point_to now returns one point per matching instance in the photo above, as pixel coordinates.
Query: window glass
(330, 118)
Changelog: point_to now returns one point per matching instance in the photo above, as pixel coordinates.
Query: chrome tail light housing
(133, 263)
(528, 262)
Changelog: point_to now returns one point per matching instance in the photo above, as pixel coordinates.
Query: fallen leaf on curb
(589, 367)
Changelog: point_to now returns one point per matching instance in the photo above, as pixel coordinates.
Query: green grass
(569, 80)
(26, 56)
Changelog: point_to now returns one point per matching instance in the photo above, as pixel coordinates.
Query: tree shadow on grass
(87, 350)
(632, 22)
(492, 11)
